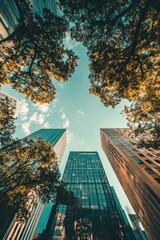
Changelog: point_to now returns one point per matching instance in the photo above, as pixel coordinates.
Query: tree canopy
(144, 119)
(35, 54)
(28, 168)
(123, 42)
(28, 171)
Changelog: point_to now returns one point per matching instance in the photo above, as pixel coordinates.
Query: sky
(77, 110)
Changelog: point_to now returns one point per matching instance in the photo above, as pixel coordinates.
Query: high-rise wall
(12, 101)
(56, 137)
(89, 210)
(137, 230)
(8, 17)
(25, 230)
(39, 5)
(9, 14)
(138, 171)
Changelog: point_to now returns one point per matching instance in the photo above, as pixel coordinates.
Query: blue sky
(75, 109)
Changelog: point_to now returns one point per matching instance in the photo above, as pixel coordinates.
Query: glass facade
(9, 14)
(38, 5)
(49, 135)
(138, 172)
(56, 137)
(8, 17)
(138, 232)
(89, 210)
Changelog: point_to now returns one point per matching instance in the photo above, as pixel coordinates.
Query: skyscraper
(39, 5)
(8, 17)
(56, 137)
(138, 171)
(89, 210)
(25, 230)
(137, 230)
(12, 101)
(9, 13)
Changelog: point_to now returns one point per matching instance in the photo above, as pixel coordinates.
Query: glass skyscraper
(25, 230)
(8, 17)
(39, 5)
(56, 137)
(9, 13)
(138, 171)
(139, 233)
(89, 209)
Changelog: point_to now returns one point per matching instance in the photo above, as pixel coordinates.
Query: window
(158, 161)
(138, 161)
(141, 155)
(121, 146)
(131, 155)
(148, 170)
(150, 155)
(149, 161)
(157, 179)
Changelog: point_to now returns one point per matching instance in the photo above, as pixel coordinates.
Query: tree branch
(114, 20)
(13, 55)
(136, 36)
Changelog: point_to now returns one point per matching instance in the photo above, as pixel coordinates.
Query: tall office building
(8, 17)
(88, 210)
(123, 217)
(9, 13)
(39, 5)
(137, 230)
(138, 171)
(56, 137)
(12, 101)
(25, 230)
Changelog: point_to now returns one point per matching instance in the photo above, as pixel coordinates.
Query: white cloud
(53, 104)
(33, 117)
(23, 109)
(80, 112)
(70, 43)
(63, 116)
(40, 119)
(46, 125)
(36, 117)
(25, 127)
(66, 123)
(65, 120)
(60, 85)
(70, 137)
(43, 107)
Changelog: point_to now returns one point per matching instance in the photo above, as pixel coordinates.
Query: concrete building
(12, 101)
(138, 171)
(25, 230)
